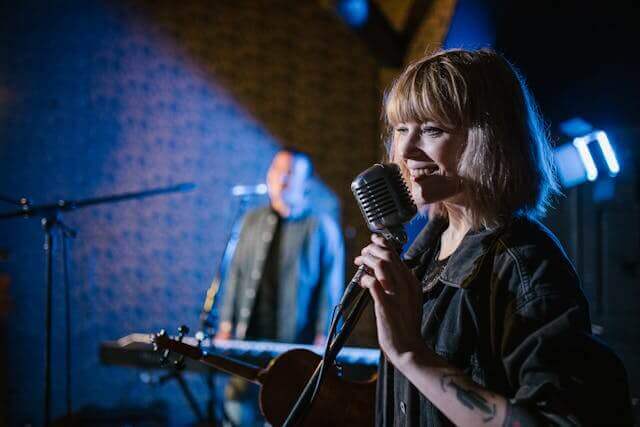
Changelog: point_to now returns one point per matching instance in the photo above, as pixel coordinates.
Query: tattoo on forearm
(468, 397)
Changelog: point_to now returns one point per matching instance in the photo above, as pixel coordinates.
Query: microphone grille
(383, 197)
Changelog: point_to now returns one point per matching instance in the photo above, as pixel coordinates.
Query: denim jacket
(310, 274)
(508, 311)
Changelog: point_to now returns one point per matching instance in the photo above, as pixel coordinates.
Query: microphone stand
(51, 219)
(397, 237)
(209, 313)
(23, 201)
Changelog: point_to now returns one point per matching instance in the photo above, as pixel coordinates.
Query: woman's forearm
(464, 402)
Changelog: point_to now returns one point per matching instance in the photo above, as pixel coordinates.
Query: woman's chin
(433, 189)
(423, 201)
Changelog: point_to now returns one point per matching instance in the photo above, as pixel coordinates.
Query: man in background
(287, 272)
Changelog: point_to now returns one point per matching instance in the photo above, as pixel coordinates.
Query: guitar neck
(222, 363)
(234, 367)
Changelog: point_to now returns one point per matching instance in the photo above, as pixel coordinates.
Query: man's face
(287, 179)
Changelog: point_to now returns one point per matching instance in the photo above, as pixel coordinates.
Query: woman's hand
(397, 300)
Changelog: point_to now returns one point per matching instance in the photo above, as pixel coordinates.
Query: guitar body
(339, 401)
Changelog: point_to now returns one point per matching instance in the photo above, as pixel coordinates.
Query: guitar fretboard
(136, 350)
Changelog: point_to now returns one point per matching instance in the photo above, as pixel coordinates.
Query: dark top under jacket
(263, 323)
(508, 311)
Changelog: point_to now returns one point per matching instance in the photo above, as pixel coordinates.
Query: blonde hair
(507, 164)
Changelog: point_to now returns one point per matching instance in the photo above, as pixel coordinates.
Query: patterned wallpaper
(106, 97)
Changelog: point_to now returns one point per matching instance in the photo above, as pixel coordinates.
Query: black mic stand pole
(209, 314)
(49, 223)
(67, 233)
(22, 202)
(51, 218)
(302, 404)
(397, 238)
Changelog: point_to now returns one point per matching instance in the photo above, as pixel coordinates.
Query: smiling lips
(428, 170)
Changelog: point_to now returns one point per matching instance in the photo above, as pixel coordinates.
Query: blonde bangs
(425, 92)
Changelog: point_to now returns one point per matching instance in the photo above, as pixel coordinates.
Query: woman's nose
(409, 146)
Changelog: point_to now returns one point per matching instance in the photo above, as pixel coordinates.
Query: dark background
(579, 61)
(113, 96)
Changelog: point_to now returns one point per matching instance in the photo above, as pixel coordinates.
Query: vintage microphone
(385, 203)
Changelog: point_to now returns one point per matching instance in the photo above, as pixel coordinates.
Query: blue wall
(97, 100)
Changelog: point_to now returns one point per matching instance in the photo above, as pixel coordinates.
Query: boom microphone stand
(22, 202)
(51, 219)
(209, 314)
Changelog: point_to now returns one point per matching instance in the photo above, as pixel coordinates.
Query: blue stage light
(354, 12)
(577, 162)
(609, 155)
(575, 126)
(570, 167)
(582, 145)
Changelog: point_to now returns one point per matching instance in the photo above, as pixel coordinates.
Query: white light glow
(581, 143)
(607, 151)
(249, 190)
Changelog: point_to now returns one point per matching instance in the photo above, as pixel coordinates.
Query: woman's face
(431, 155)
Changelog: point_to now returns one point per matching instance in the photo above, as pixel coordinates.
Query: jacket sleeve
(332, 274)
(561, 374)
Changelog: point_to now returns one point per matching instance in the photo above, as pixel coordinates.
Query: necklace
(436, 267)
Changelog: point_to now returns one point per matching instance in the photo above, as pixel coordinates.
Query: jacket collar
(464, 264)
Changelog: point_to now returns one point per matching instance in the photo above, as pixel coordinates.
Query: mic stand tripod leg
(189, 395)
(47, 226)
(193, 403)
(66, 233)
(215, 410)
(211, 409)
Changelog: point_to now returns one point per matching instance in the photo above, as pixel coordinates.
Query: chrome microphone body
(386, 204)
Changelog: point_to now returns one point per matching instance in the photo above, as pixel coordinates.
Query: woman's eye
(401, 129)
(431, 131)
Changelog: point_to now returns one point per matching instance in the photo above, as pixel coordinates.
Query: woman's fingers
(380, 241)
(384, 265)
(374, 287)
(376, 265)
(379, 252)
